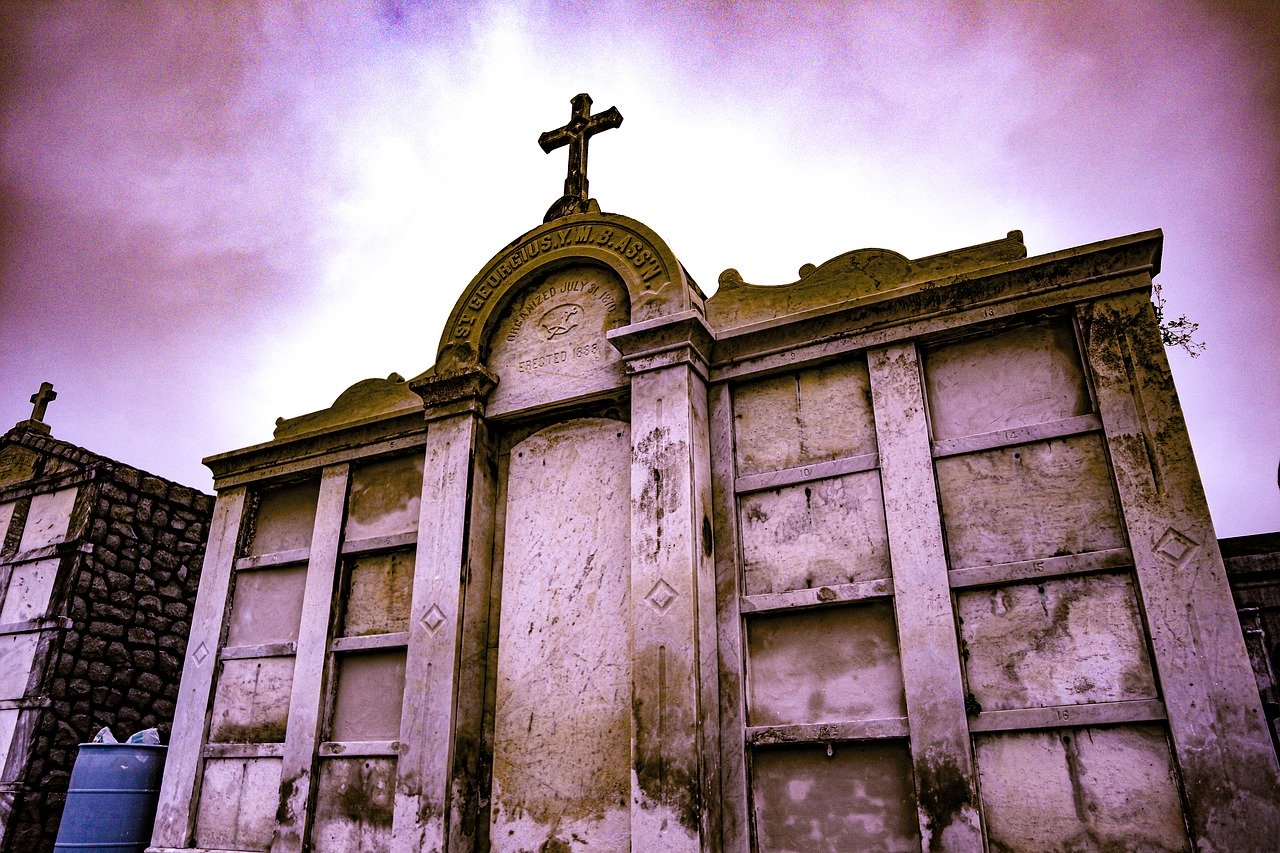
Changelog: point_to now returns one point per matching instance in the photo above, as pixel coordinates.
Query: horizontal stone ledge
(817, 596)
(369, 641)
(1048, 567)
(243, 750)
(259, 650)
(360, 748)
(1067, 716)
(25, 703)
(279, 558)
(891, 727)
(806, 473)
(380, 543)
(31, 626)
(1018, 435)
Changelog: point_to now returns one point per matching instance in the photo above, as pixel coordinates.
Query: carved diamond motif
(200, 653)
(661, 596)
(433, 619)
(1175, 548)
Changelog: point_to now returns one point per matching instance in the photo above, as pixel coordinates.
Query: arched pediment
(656, 283)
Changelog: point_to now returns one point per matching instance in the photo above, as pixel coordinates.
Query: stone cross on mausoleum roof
(581, 127)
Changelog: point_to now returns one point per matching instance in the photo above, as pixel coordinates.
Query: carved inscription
(549, 344)
(630, 247)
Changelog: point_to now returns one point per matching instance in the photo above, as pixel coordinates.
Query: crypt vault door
(562, 733)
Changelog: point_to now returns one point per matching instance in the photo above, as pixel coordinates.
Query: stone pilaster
(675, 774)
(436, 795)
(176, 813)
(1219, 734)
(946, 791)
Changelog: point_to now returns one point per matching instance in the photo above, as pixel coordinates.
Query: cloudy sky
(214, 214)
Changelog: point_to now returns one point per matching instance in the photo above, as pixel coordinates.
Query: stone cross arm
(40, 401)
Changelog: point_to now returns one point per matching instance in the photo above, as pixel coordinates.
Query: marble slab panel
(795, 419)
(266, 606)
(1058, 642)
(814, 534)
(48, 519)
(238, 801)
(562, 734)
(17, 653)
(370, 692)
(1023, 376)
(832, 664)
(8, 723)
(384, 497)
(379, 590)
(832, 799)
(30, 587)
(285, 518)
(251, 701)
(1029, 501)
(1081, 789)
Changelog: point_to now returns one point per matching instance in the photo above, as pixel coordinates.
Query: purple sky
(216, 214)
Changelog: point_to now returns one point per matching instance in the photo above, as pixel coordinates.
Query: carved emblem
(560, 320)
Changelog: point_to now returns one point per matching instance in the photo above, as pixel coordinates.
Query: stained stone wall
(98, 576)
(906, 554)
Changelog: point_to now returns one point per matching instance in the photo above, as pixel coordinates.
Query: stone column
(946, 791)
(179, 792)
(436, 787)
(674, 712)
(1219, 734)
(305, 715)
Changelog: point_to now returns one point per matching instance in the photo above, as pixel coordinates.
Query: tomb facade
(906, 554)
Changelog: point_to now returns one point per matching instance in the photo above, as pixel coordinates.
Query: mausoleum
(904, 554)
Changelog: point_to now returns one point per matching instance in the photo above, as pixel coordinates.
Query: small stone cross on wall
(581, 127)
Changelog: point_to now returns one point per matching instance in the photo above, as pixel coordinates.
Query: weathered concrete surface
(828, 665)
(800, 418)
(1029, 501)
(1058, 642)
(814, 534)
(835, 798)
(562, 733)
(1081, 789)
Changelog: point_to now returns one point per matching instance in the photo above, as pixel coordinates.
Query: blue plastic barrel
(111, 798)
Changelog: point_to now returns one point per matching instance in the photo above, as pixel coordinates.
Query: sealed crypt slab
(48, 519)
(1081, 789)
(1029, 501)
(1021, 377)
(549, 344)
(238, 800)
(1057, 642)
(814, 534)
(836, 664)
(813, 415)
(562, 739)
(354, 799)
(832, 798)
